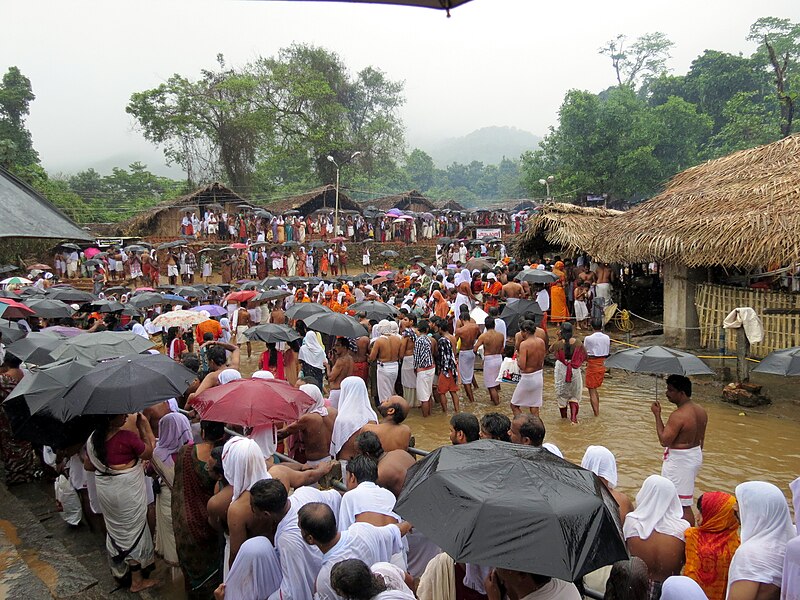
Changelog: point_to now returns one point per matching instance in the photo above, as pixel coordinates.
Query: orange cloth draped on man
(710, 547)
(491, 293)
(558, 297)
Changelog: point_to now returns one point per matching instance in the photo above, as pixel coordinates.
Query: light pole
(545, 182)
(336, 210)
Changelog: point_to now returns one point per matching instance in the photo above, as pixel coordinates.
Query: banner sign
(483, 232)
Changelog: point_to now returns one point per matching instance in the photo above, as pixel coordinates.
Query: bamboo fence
(715, 302)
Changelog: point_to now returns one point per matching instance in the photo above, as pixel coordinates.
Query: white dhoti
(567, 391)
(603, 290)
(491, 369)
(425, 385)
(681, 467)
(409, 381)
(334, 398)
(72, 268)
(581, 310)
(387, 375)
(172, 270)
(529, 390)
(466, 366)
(240, 339)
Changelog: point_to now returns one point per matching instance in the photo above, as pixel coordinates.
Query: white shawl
(600, 461)
(657, 509)
(312, 352)
(243, 464)
(319, 402)
(354, 412)
(255, 573)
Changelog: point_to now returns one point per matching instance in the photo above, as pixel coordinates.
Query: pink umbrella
(395, 212)
(90, 252)
(384, 273)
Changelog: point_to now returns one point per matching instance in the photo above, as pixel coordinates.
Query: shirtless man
(342, 367)
(217, 362)
(540, 333)
(392, 465)
(530, 359)
(315, 430)
(242, 324)
(360, 364)
(172, 267)
(386, 352)
(391, 431)
(682, 437)
(466, 334)
(277, 315)
(493, 343)
(513, 289)
(603, 280)
(408, 376)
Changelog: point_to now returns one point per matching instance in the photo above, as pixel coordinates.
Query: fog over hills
(487, 145)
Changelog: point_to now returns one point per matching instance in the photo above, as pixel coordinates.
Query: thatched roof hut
(742, 210)
(568, 227)
(307, 203)
(451, 205)
(164, 219)
(411, 200)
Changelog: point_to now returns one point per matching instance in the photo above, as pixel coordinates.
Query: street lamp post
(336, 209)
(546, 182)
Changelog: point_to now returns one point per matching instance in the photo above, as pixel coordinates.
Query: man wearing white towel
(493, 343)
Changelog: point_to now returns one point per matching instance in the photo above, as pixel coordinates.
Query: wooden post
(742, 350)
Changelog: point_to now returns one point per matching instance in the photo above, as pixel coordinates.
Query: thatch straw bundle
(573, 228)
(742, 210)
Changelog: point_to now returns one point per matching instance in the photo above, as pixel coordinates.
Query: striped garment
(423, 353)
(446, 360)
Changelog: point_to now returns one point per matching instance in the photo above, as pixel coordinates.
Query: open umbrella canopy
(124, 385)
(658, 360)
(319, 244)
(252, 402)
(37, 347)
(479, 263)
(516, 507)
(102, 345)
(11, 309)
(241, 296)
(337, 324)
(536, 276)
(304, 310)
(146, 300)
(784, 362)
(214, 310)
(116, 289)
(274, 282)
(63, 331)
(188, 291)
(272, 295)
(180, 318)
(106, 306)
(251, 285)
(11, 332)
(390, 254)
(49, 309)
(374, 309)
(15, 281)
(70, 294)
(514, 311)
(272, 333)
(175, 299)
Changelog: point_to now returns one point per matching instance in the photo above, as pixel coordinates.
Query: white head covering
(228, 375)
(311, 352)
(262, 375)
(600, 461)
(679, 587)
(552, 448)
(354, 412)
(795, 487)
(394, 579)
(319, 402)
(243, 464)
(466, 276)
(657, 509)
(255, 572)
(766, 529)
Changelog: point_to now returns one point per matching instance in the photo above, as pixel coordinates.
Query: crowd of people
(243, 524)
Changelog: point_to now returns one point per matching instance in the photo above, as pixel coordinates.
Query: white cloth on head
(500, 326)
(766, 529)
(394, 579)
(266, 436)
(600, 461)
(679, 587)
(657, 509)
(243, 464)
(228, 375)
(316, 395)
(355, 411)
(365, 497)
(255, 572)
(139, 329)
(262, 375)
(312, 352)
(553, 449)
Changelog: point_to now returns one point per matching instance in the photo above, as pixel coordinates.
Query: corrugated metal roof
(26, 213)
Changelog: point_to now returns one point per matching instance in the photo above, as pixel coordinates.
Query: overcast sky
(494, 62)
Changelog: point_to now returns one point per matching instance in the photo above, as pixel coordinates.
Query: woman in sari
(174, 430)
(197, 543)
(711, 545)
(570, 356)
(301, 262)
(115, 454)
(558, 297)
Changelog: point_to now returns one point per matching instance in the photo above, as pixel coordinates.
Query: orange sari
(710, 547)
(558, 298)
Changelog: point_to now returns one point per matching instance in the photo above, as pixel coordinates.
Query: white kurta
(366, 497)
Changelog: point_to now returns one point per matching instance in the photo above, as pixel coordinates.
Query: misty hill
(487, 145)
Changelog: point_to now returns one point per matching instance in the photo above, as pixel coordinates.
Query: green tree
(420, 169)
(16, 144)
(637, 62)
(750, 121)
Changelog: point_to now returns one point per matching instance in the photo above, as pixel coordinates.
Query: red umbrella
(14, 309)
(252, 402)
(241, 296)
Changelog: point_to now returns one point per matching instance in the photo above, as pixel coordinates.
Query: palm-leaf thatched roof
(308, 202)
(742, 210)
(213, 193)
(401, 201)
(566, 226)
(452, 205)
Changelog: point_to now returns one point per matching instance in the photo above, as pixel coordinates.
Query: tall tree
(16, 144)
(641, 60)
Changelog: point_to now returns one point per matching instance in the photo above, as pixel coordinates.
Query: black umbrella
(784, 362)
(272, 333)
(272, 295)
(274, 282)
(337, 324)
(390, 254)
(71, 246)
(8, 269)
(124, 385)
(71, 295)
(189, 291)
(146, 300)
(374, 310)
(304, 310)
(292, 212)
(251, 285)
(102, 345)
(319, 244)
(290, 244)
(364, 277)
(498, 504)
(49, 308)
(536, 276)
(117, 289)
(131, 310)
(658, 360)
(106, 306)
(11, 332)
(514, 311)
(37, 347)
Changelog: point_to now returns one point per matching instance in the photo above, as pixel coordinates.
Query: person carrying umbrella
(682, 438)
